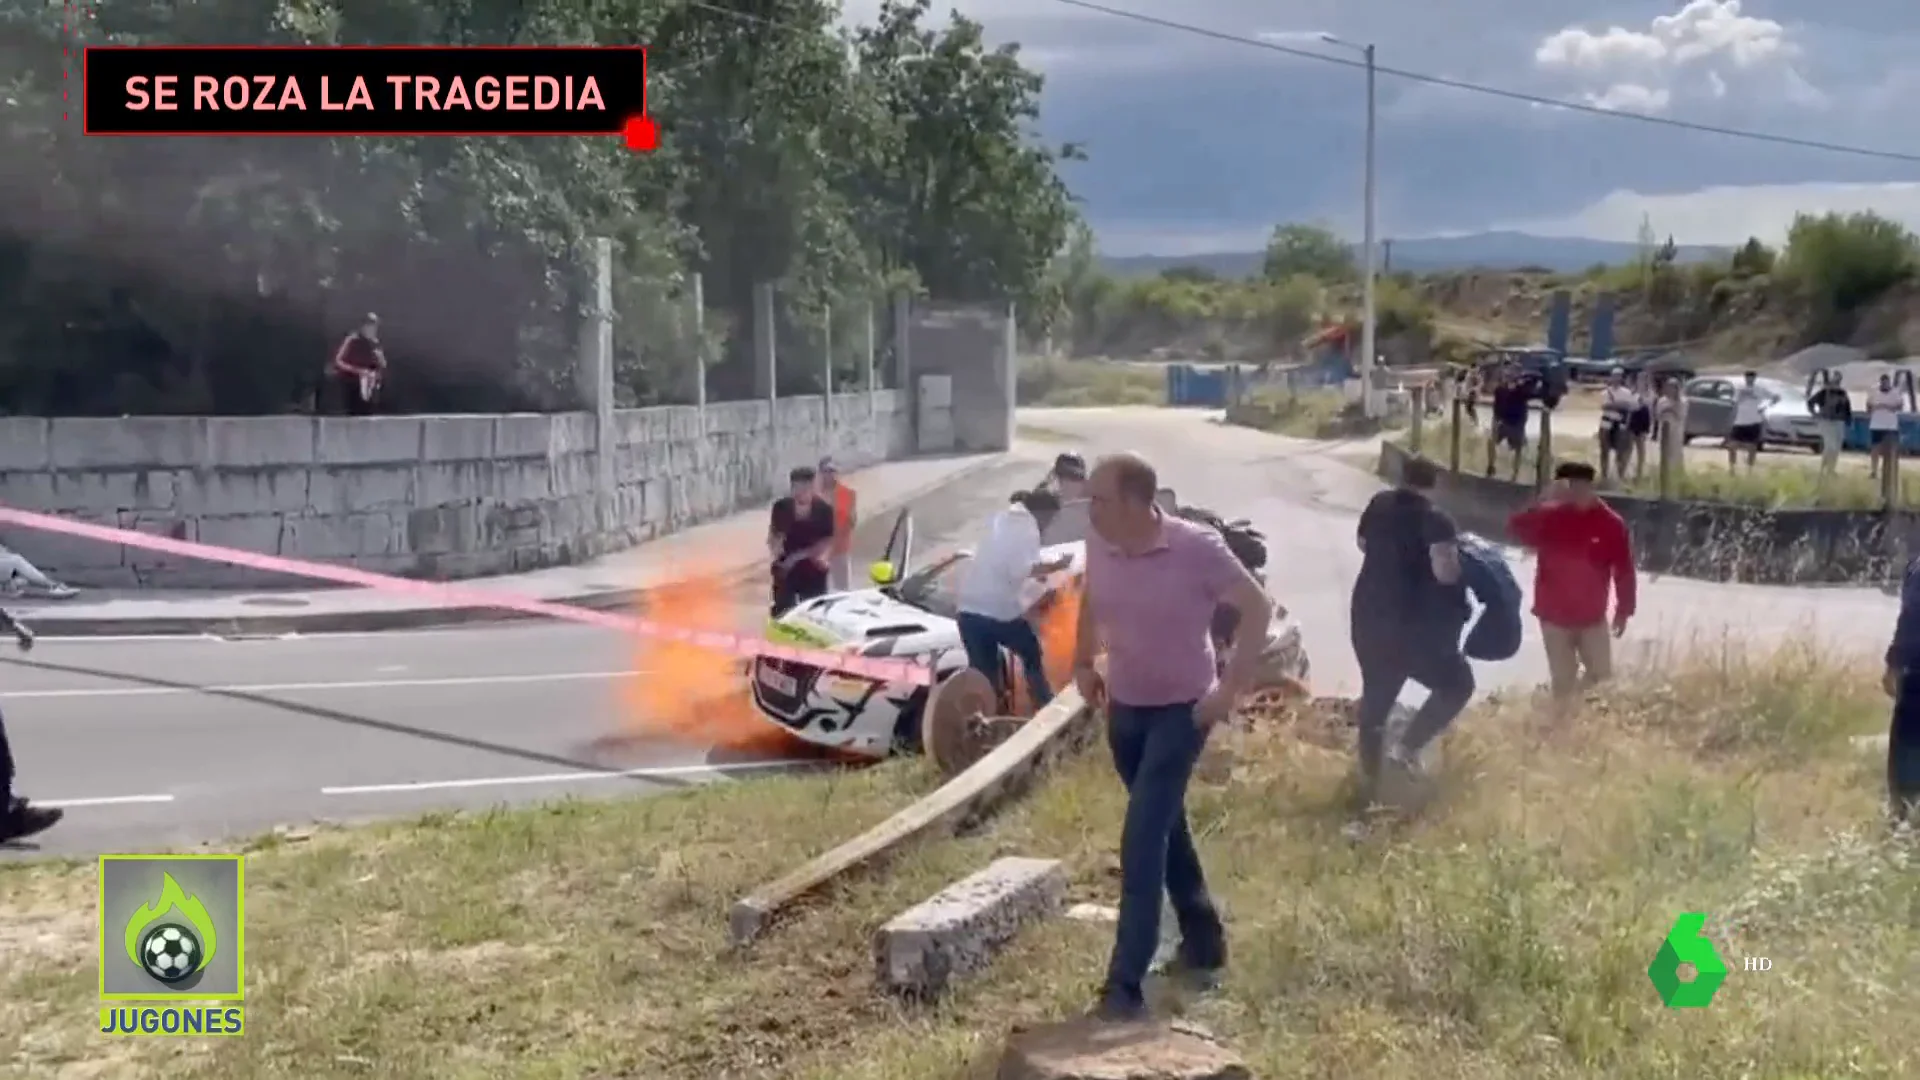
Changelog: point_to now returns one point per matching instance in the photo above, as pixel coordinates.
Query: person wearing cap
(357, 368)
(1068, 482)
(845, 519)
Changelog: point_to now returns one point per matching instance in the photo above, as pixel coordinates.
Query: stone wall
(422, 496)
(1713, 541)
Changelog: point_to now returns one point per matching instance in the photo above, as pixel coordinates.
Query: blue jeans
(984, 637)
(1903, 753)
(1154, 750)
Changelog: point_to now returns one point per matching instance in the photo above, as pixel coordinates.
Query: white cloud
(1697, 49)
(1632, 97)
(1729, 215)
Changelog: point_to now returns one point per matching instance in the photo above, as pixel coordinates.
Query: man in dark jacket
(1409, 607)
(1902, 683)
(19, 819)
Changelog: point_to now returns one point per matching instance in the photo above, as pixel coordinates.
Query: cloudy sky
(1198, 144)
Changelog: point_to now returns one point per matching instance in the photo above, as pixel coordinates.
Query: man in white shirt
(1749, 418)
(1884, 406)
(998, 587)
(1068, 480)
(1617, 405)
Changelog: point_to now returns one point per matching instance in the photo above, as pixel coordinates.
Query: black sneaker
(22, 819)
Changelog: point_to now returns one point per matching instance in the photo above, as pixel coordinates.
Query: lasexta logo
(1687, 944)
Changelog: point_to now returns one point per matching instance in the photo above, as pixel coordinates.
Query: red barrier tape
(457, 596)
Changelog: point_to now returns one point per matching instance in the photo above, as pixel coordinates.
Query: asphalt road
(155, 744)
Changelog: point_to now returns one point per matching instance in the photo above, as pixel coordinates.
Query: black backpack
(1247, 543)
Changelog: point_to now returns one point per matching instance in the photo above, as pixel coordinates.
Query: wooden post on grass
(1453, 453)
(1543, 458)
(1417, 428)
(1669, 457)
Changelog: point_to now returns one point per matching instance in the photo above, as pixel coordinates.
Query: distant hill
(1479, 251)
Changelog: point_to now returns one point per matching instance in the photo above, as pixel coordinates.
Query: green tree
(194, 275)
(1311, 250)
(1844, 262)
(1752, 259)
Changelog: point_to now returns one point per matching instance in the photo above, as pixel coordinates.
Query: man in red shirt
(1583, 548)
(357, 368)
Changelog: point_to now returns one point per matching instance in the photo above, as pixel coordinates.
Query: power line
(1493, 91)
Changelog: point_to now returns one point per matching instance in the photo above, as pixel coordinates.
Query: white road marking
(662, 772)
(110, 800)
(270, 688)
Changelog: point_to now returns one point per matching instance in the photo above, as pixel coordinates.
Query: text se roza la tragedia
(401, 93)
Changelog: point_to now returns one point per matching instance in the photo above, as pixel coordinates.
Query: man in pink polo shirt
(1153, 583)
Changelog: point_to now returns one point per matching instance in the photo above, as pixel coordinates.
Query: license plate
(777, 682)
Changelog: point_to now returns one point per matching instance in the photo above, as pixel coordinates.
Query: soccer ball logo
(170, 952)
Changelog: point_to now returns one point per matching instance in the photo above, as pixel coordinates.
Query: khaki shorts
(1572, 653)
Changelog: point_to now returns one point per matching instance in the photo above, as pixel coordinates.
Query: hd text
(375, 90)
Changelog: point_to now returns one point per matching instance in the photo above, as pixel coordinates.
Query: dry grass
(1306, 414)
(1072, 383)
(1504, 936)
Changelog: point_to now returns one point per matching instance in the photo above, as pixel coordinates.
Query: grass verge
(1309, 414)
(1069, 383)
(1504, 936)
(1777, 481)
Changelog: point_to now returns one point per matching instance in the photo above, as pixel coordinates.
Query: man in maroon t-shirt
(1584, 552)
(357, 367)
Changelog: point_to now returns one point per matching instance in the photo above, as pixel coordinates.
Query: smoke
(693, 695)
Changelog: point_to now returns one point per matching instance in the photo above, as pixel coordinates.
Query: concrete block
(25, 443)
(370, 440)
(574, 433)
(959, 930)
(171, 526)
(243, 491)
(443, 530)
(258, 442)
(449, 483)
(336, 490)
(248, 532)
(127, 442)
(457, 438)
(522, 435)
(634, 426)
(343, 536)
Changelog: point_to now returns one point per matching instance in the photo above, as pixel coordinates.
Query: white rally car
(909, 614)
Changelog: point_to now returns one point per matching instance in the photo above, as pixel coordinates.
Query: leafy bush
(1842, 263)
(1089, 383)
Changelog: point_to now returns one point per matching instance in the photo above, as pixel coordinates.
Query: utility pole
(1369, 349)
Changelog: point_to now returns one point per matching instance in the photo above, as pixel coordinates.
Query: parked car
(1787, 420)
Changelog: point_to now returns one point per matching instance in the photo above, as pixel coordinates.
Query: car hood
(851, 621)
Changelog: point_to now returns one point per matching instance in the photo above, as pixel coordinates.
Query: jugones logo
(1687, 944)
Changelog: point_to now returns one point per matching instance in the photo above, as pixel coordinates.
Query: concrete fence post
(1010, 370)
(903, 361)
(702, 454)
(766, 382)
(826, 374)
(873, 388)
(594, 375)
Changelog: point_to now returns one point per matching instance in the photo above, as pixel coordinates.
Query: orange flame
(695, 695)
